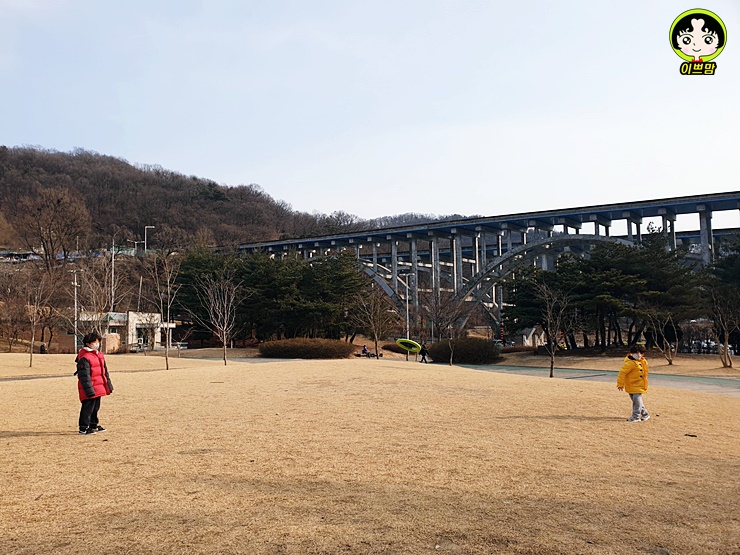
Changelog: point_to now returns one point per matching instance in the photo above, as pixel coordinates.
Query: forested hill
(121, 199)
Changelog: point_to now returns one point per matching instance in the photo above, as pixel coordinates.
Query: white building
(138, 331)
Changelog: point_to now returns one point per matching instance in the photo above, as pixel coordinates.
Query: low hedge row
(470, 350)
(306, 348)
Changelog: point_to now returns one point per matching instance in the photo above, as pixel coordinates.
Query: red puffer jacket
(93, 379)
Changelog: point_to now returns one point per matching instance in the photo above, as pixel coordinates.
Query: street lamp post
(145, 229)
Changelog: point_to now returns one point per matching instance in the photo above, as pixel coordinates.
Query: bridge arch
(485, 289)
(478, 288)
(502, 266)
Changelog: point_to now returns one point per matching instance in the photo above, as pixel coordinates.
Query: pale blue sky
(382, 107)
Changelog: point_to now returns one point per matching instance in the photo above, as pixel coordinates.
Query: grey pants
(638, 409)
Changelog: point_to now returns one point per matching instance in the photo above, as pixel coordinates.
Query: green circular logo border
(698, 12)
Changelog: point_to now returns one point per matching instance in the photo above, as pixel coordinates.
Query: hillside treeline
(107, 197)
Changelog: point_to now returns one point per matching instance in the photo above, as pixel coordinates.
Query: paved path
(724, 386)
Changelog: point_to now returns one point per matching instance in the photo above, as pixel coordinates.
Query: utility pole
(76, 327)
(76, 332)
(138, 304)
(113, 275)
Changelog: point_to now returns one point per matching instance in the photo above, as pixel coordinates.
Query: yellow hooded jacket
(633, 376)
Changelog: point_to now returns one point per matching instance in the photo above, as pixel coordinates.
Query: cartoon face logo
(698, 36)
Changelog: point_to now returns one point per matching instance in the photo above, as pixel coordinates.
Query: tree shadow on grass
(559, 417)
(25, 433)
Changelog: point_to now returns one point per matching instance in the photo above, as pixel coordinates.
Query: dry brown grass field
(360, 457)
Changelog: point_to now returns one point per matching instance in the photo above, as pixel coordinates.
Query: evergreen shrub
(469, 350)
(306, 348)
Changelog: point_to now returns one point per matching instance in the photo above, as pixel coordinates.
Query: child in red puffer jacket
(93, 382)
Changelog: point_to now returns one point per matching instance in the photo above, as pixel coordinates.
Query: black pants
(89, 413)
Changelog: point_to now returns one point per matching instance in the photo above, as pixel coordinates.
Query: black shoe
(87, 432)
(98, 428)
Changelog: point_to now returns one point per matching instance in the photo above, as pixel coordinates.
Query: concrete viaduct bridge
(469, 259)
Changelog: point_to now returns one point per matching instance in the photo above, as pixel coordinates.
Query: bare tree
(148, 325)
(8, 236)
(38, 288)
(726, 316)
(164, 267)
(51, 223)
(556, 317)
(665, 332)
(94, 295)
(52, 316)
(12, 306)
(219, 295)
(446, 313)
(374, 312)
(448, 316)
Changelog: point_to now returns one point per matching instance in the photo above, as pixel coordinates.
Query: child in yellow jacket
(633, 378)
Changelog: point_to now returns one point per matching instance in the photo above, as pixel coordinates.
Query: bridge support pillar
(705, 231)
(476, 250)
(669, 230)
(436, 269)
(457, 262)
(394, 266)
(483, 261)
(415, 271)
(375, 258)
(631, 219)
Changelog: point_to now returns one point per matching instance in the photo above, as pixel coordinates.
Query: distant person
(42, 349)
(93, 382)
(633, 378)
(365, 352)
(423, 352)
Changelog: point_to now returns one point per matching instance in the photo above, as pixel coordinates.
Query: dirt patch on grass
(363, 456)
